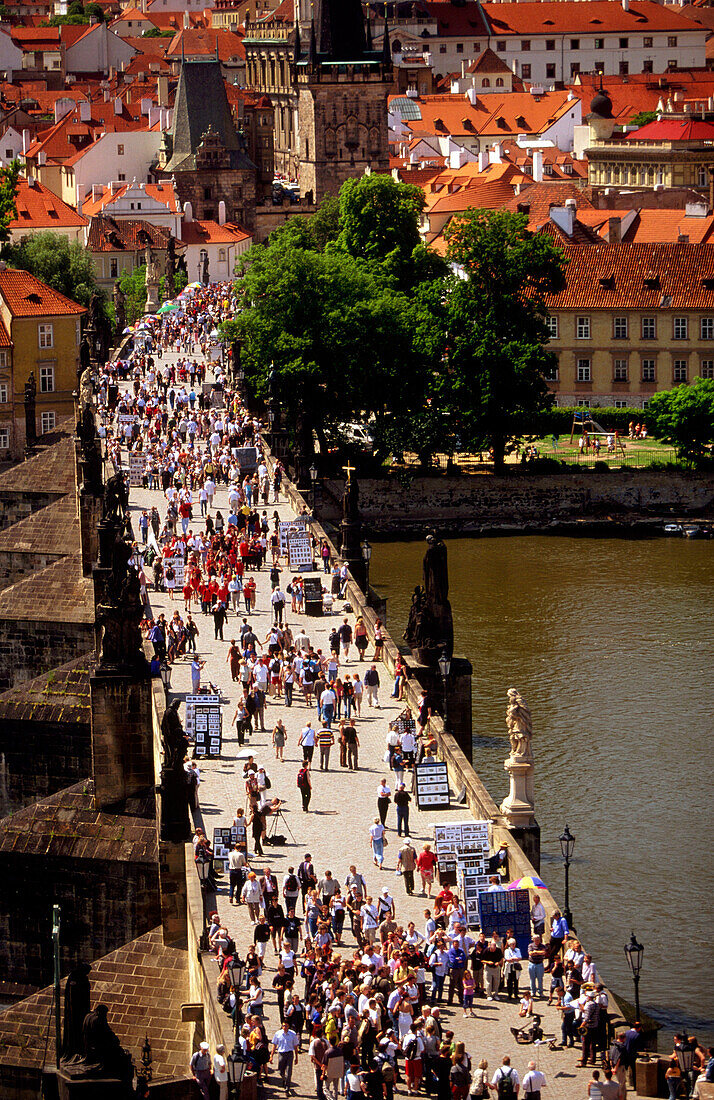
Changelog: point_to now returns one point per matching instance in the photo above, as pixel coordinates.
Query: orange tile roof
(204, 42)
(665, 227)
(27, 296)
(210, 232)
(162, 192)
(493, 114)
(45, 36)
(5, 341)
(39, 208)
(55, 142)
(539, 197)
(637, 276)
(673, 129)
(575, 17)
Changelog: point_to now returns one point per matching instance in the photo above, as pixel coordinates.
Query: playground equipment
(583, 419)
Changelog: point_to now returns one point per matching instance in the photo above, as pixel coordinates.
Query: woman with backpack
(305, 786)
(413, 1047)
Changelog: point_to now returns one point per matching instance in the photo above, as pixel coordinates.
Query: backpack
(410, 1049)
(292, 885)
(302, 778)
(506, 1088)
(388, 1072)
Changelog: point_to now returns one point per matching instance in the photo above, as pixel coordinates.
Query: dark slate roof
(66, 825)
(50, 471)
(61, 695)
(57, 594)
(142, 984)
(202, 104)
(51, 530)
(341, 35)
(125, 235)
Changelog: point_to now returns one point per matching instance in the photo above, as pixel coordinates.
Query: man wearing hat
(200, 1066)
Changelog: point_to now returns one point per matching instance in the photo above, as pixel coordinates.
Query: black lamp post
(445, 669)
(203, 867)
(685, 1057)
(366, 555)
(236, 1064)
(567, 844)
(165, 672)
(633, 953)
(313, 481)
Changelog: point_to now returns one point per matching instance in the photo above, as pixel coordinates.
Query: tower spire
(386, 48)
(312, 49)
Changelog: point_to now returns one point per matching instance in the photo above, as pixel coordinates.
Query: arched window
(499, 82)
(485, 83)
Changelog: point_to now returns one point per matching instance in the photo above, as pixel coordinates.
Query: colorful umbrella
(168, 307)
(530, 882)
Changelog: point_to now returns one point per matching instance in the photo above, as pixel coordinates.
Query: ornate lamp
(634, 953)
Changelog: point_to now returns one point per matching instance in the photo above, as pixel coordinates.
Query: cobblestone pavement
(335, 831)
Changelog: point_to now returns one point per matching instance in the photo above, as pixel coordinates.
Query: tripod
(277, 816)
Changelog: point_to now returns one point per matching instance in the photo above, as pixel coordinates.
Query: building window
(584, 371)
(121, 176)
(680, 328)
(550, 72)
(526, 72)
(620, 404)
(582, 328)
(671, 40)
(647, 66)
(525, 43)
(113, 268)
(46, 337)
(47, 379)
(552, 323)
(221, 255)
(679, 370)
(4, 439)
(599, 43)
(619, 370)
(501, 45)
(77, 333)
(624, 43)
(707, 368)
(120, 150)
(47, 423)
(648, 370)
(442, 49)
(574, 68)
(706, 328)
(623, 68)
(459, 47)
(3, 392)
(583, 402)
(575, 43)
(649, 328)
(648, 43)
(620, 329)
(3, 358)
(551, 374)
(550, 43)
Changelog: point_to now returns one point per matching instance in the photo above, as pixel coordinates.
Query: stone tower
(342, 86)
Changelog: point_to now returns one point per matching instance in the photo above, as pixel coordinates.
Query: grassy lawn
(638, 452)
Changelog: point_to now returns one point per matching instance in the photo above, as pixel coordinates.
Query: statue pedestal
(152, 298)
(62, 1084)
(458, 698)
(518, 807)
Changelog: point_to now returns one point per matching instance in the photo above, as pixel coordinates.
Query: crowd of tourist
(372, 1009)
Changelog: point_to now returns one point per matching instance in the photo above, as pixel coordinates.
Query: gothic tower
(342, 87)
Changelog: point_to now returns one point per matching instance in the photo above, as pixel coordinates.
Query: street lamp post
(236, 1063)
(567, 844)
(445, 669)
(56, 920)
(633, 953)
(165, 672)
(366, 555)
(685, 1057)
(313, 481)
(203, 867)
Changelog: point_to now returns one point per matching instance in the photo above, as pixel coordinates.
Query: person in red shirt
(187, 595)
(249, 594)
(426, 862)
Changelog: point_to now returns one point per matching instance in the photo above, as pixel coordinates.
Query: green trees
(684, 417)
(496, 337)
(8, 194)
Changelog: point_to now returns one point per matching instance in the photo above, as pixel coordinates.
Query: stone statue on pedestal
(175, 823)
(76, 1008)
(430, 627)
(152, 282)
(519, 805)
(104, 1055)
(119, 311)
(170, 269)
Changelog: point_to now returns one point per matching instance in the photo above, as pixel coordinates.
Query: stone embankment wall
(471, 504)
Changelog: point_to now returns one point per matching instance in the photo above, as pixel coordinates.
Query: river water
(611, 643)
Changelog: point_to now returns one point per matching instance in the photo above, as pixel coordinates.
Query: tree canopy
(62, 264)
(8, 194)
(684, 417)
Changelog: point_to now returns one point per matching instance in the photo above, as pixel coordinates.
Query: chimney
(495, 157)
(118, 106)
(145, 105)
(538, 165)
(162, 90)
(186, 21)
(97, 191)
(26, 140)
(614, 230)
(483, 160)
(188, 212)
(472, 96)
(683, 238)
(30, 180)
(221, 213)
(41, 158)
(85, 110)
(107, 95)
(564, 218)
(463, 68)
(625, 5)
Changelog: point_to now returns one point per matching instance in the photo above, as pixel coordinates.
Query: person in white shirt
(505, 1070)
(220, 1072)
(533, 1082)
(285, 1043)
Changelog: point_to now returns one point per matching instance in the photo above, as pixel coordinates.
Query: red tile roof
(493, 114)
(162, 192)
(204, 42)
(672, 129)
(575, 17)
(5, 341)
(665, 227)
(125, 235)
(539, 197)
(40, 208)
(457, 19)
(637, 276)
(210, 232)
(27, 296)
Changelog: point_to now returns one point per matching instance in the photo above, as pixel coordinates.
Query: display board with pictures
(177, 564)
(137, 464)
(297, 525)
(224, 838)
(191, 702)
(461, 837)
(299, 551)
(505, 909)
(247, 459)
(312, 588)
(207, 733)
(403, 725)
(432, 785)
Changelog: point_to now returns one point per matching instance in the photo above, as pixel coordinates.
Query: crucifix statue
(349, 470)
